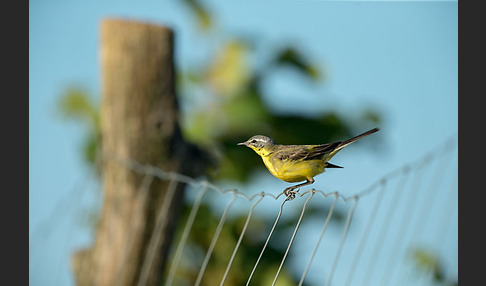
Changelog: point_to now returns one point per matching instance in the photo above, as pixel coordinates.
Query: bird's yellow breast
(293, 171)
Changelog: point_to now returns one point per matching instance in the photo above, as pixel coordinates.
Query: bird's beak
(243, 143)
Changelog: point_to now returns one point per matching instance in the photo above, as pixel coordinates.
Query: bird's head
(259, 143)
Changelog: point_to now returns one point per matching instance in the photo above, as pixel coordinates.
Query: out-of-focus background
(302, 72)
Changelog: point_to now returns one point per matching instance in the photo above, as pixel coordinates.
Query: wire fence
(401, 230)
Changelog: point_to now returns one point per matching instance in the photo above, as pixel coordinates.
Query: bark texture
(139, 121)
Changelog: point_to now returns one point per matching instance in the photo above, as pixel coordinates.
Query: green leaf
(75, 104)
(290, 56)
(201, 13)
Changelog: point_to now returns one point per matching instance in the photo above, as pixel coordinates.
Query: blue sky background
(400, 57)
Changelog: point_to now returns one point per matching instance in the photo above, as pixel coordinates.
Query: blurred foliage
(75, 104)
(226, 102)
(428, 262)
(200, 13)
(293, 58)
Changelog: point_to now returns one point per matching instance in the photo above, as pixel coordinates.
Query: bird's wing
(306, 152)
(319, 151)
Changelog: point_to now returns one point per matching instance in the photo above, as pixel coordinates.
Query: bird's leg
(291, 194)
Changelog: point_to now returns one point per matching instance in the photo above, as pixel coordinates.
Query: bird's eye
(253, 141)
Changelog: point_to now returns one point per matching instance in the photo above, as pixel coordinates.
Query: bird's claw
(290, 193)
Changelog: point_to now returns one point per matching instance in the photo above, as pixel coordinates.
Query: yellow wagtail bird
(296, 163)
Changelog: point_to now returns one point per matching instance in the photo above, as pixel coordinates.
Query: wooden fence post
(139, 121)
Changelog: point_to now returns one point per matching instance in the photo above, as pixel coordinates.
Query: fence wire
(398, 212)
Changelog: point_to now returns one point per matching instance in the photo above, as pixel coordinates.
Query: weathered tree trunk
(139, 121)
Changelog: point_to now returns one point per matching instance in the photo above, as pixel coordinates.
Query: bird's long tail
(356, 138)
